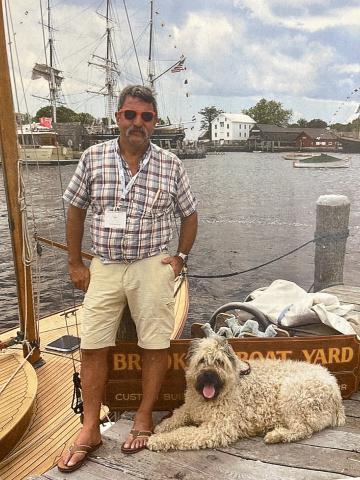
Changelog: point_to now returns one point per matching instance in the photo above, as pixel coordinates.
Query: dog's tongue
(208, 391)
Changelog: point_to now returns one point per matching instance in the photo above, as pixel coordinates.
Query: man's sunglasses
(131, 114)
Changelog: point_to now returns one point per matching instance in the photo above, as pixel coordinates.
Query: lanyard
(127, 188)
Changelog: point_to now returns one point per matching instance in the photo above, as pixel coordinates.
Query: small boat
(40, 146)
(322, 161)
(299, 155)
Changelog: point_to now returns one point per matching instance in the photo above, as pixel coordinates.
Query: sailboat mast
(151, 70)
(108, 68)
(108, 63)
(9, 154)
(52, 83)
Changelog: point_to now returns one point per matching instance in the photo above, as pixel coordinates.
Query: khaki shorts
(146, 285)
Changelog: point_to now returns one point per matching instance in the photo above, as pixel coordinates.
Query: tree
(341, 127)
(317, 123)
(208, 115)
(85, 118)
(270, 112)
(63, 114)
(302, 122)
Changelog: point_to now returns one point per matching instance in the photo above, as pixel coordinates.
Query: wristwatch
(183, 256)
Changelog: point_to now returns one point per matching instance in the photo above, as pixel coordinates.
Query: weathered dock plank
(344, 288)
(352, 425)
(356, 396)
(329, 458)
(335, 438)
(319, 458)
(187, 465)
(352, 408)
(346, 294)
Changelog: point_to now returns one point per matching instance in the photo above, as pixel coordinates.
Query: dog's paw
(275, 436)
(157, 443)
(164, 426)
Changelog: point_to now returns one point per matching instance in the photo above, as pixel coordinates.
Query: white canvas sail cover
(41, 70)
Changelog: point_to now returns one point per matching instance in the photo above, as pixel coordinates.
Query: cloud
(303, 15)
(237, 52)
(230, 59)
(352, 68)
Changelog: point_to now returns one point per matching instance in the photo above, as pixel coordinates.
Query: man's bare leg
(93, 380)
(154, 367)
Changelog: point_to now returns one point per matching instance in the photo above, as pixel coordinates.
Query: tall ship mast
(111, 68)
(177, 66)
(151, 68)
(166, 135)
(47, 70)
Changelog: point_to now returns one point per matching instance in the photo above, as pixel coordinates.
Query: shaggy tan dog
(225, 400)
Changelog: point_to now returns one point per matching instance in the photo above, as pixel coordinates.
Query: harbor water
(253, 207)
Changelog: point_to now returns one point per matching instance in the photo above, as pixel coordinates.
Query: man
(133, 188)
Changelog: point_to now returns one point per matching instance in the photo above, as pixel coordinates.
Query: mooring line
(319, 240)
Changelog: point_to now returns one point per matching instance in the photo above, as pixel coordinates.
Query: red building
(317, 138)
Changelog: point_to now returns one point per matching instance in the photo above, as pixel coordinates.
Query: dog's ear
(242, 366)
(229, 352)
(194, 345)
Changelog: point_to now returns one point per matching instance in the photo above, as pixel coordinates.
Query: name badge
(115, 219)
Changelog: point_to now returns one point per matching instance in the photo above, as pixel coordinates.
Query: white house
(228, 127)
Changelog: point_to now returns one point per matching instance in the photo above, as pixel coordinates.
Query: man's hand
(176, 262)
(80, 276)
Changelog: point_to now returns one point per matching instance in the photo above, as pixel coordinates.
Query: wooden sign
(339, 353)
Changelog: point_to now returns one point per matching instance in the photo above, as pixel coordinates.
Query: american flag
(178, 67)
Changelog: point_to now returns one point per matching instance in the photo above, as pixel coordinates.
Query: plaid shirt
(161, 189)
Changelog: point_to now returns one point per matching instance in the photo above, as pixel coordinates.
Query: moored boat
(40, 145)
(322, 161)
(299, 155)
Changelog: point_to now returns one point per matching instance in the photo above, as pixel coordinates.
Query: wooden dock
(329, 455)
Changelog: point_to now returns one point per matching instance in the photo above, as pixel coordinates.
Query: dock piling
(332, 226)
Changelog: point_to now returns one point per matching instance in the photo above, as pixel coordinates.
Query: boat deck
(45, 413)
(53, 423)
(329, 455)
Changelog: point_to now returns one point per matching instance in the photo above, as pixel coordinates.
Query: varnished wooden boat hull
(15, 416)
(339, 353)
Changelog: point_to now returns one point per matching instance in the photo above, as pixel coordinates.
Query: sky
(302, 54)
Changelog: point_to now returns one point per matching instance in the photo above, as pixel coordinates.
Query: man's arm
(79, 273)
(188, 230)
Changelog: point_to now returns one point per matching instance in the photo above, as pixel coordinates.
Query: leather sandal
(85, 449)
(136, 434)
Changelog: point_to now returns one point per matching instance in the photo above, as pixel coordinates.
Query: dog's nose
(209, 376)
